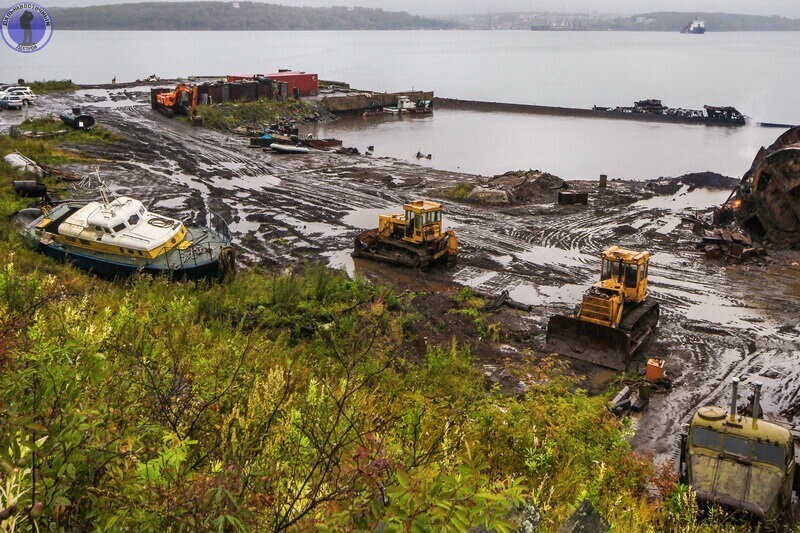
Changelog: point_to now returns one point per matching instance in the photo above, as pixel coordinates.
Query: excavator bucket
(601, 345)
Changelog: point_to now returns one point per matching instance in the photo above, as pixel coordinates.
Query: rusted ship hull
(767, 203)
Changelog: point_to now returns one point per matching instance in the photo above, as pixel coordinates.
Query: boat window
(769, 453)
(736, 445)
(84, 241)
(141, 210)
(172, 240)
(631, 276)
(644, 271)
(98, 228)
(121, 249)
(133, 220)
(437, 216)
(119, 227)
(706, 438)
(418, 222)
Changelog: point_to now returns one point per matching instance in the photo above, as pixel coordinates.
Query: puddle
(170, 203)
(544, 255)
(699, 198)
(311, 228)
(367, 218)
(341, 260)
(247, 182)
(569, 293)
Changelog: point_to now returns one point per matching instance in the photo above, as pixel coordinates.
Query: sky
(788, 8)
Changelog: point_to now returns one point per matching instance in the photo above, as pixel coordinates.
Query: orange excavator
(181, 100)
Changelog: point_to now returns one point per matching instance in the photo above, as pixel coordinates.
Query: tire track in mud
(717, 321)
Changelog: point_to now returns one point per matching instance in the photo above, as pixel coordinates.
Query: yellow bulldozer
(615, 317)
(414, 238)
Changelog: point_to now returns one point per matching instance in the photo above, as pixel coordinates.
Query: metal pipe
(734, 395)
(757, 400)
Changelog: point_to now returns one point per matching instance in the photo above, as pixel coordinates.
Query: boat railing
(220, 225)
(203, 247)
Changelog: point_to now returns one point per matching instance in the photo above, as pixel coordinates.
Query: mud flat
(718, 320)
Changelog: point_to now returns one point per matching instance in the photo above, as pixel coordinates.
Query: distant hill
(661, 21)
(224, 16)
(671, 21)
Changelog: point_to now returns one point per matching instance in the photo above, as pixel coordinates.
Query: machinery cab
(623, 279)
(421, 222)
(625, 272)
(742, 463)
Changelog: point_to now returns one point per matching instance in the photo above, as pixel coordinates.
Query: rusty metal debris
(572, 197)
(767, 201)
(720, 243)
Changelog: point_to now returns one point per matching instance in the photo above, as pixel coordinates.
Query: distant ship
(696, 26)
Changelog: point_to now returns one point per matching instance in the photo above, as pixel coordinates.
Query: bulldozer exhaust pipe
(734, 395)
(757, 400)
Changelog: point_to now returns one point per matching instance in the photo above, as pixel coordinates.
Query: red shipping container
(302, 83)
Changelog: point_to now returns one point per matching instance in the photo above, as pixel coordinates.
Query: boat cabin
(122, 226)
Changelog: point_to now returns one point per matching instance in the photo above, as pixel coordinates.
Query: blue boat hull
(115, 270)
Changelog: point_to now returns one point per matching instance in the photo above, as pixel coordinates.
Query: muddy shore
(718, 320)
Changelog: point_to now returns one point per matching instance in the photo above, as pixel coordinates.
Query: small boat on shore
(116, 237)
(323, 144)
(77, 119)
(288, 149)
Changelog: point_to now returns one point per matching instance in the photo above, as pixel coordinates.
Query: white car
(23, 92)
(27, 95)
(10, 101)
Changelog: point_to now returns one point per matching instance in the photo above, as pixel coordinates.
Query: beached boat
(323, 144)
(116, 237)
(289, 149)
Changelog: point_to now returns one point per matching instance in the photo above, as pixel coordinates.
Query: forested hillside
(224, 16)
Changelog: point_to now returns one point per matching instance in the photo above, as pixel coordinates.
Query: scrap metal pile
(767, 201)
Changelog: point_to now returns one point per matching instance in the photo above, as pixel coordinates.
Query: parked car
(28, 97)
(10, 101)
(26, 94)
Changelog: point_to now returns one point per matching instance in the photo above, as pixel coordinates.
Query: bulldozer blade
(600, 345)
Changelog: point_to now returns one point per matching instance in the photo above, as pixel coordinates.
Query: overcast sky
(789, 8)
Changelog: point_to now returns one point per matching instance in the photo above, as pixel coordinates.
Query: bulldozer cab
(744, 463)
(423, 221)
(625, 272)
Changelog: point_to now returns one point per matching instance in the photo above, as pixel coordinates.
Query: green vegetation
(459, 191)
(52, 86)
(279, 401)
(253, 114)
(41, 138)
(249, 16)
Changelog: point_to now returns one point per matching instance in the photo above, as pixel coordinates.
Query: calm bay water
(756, 72)
(572, 148)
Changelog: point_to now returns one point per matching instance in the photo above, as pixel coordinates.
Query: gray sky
(789, 8)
